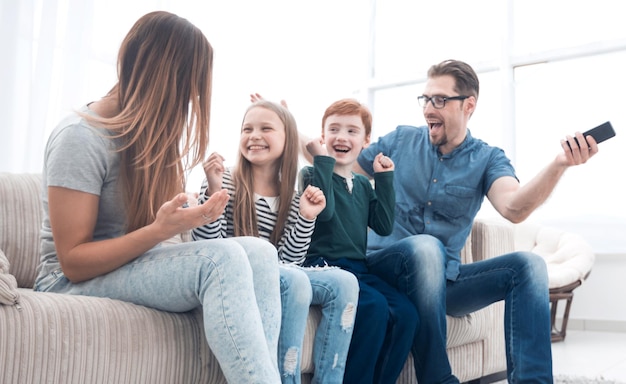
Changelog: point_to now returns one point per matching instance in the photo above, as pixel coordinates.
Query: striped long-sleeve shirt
(293, 244)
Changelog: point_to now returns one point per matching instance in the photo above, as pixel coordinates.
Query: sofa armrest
(9, 294)
(20, 223)
(491, 238)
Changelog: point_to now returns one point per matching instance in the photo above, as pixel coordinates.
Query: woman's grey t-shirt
(83, 158)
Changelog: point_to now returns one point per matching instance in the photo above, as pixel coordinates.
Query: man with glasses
(442, 177)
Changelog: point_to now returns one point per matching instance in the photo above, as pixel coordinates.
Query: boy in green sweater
(386, 320)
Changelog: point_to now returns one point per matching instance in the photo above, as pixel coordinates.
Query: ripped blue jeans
(336, 292)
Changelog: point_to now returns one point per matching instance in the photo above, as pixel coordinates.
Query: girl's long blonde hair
(244, 210)
(165, 67)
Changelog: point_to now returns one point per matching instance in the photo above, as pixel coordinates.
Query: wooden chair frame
(557, 294)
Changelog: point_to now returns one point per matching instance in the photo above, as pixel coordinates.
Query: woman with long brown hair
(114, 183)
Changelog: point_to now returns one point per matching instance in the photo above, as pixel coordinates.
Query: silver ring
(206, 218)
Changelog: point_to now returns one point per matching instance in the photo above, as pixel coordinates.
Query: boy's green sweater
(341, 228)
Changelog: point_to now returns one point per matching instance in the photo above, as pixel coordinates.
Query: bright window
(547, 69)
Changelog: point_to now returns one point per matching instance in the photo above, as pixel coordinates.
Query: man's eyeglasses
(437, 101)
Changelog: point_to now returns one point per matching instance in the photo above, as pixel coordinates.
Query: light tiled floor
(591, 354)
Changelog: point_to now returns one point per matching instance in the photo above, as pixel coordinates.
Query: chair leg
(558, 333)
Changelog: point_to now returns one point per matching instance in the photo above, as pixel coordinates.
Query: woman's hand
(213, 208)
(172, 218)
(312, 202)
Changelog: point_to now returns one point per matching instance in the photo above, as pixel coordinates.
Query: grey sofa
(56, 338)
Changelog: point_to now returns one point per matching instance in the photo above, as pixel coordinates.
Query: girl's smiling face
(262, 138)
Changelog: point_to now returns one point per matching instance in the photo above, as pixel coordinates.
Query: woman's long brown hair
(244, 210)
(164, 93)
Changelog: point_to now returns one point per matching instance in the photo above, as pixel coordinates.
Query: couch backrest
(466, 252)
(20, 223)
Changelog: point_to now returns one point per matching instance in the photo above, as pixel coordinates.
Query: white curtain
(51, 64)
(24, 83)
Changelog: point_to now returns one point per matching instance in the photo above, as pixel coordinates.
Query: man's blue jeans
(416, 266)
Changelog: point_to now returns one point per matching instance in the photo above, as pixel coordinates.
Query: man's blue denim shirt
(436, 194)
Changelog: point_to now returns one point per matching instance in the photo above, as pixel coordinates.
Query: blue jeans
(384, 327)
(337, 292)
(416, 266)
(236, 281)
(295, 293)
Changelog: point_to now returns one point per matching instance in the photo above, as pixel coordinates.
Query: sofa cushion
(20, 222)
(74, 339)
(469, 328)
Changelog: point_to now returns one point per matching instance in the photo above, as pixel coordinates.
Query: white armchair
(569, 258)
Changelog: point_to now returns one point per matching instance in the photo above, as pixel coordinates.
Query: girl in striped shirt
(263, 203)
